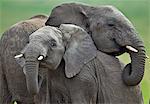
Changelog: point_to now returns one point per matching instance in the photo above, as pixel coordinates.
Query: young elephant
(76, 72)
(12, 80)
(111, 32)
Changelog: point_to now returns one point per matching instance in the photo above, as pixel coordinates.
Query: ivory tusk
(147, 56)
(131, 49)
(15, 102)
(18, 56)
(40, 58)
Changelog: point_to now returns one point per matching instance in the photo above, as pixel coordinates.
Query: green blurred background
(138, 12)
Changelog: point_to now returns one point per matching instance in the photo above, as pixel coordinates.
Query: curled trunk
(134, 71)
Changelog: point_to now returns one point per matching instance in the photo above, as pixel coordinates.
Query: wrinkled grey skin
(79, 74)
(110, 30)
(12, 79)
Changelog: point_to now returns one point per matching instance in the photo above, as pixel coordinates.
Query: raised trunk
(133, 72)
(31, 73)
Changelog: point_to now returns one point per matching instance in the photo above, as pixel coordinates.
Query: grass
(138, 12)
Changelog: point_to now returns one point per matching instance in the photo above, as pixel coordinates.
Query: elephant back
(17, 35)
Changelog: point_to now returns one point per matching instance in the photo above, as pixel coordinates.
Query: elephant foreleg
(83, 92)
(5, 96)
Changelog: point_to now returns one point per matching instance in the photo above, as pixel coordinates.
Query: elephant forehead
(117, 14)
(47, 33)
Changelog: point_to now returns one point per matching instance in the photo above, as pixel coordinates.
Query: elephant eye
(111, 22)
(53, 43)
(111, 25)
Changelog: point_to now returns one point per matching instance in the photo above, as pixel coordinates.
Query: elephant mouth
(45, 65)
(48, 65)
(116, 50)
(40, 80)
(119, 49)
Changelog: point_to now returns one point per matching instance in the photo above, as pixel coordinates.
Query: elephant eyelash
(110, 24)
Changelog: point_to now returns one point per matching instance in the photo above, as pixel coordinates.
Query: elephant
(111, 32)
(75, 72)
(12, 79)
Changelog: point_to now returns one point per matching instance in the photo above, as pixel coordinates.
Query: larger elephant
(77, 73)
(12, 80)
(111, 32)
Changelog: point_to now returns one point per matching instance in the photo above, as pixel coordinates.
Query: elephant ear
(69, 13)
(80, 49)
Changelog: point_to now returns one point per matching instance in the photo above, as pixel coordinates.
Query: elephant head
(111, 32)
(114, 34)
(35, 55)
(48, 46)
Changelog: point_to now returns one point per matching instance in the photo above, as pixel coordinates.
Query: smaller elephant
(76, 72)
(111, 32)
(12, 80)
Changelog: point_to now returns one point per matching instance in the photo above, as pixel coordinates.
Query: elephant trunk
(31, 73)
(134, 71)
